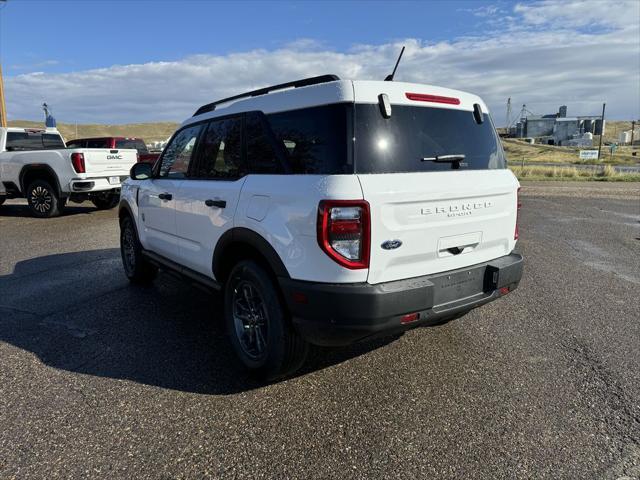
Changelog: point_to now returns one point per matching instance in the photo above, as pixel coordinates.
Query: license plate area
(458, 285)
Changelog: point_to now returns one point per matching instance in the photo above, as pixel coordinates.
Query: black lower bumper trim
(340, 314)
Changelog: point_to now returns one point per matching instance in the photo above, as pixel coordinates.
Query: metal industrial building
(557, 128)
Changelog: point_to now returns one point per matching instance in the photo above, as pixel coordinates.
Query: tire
(258, 324)
(136, 267)
(2, 199)
(43, 200)
(106, 202)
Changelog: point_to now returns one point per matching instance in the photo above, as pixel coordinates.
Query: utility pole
(601, 130)
(633, 127)
(3, 107)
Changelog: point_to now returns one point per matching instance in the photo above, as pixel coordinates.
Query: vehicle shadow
(22, 210)
(77, 312)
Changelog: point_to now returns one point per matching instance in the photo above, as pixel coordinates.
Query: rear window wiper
(456, 158)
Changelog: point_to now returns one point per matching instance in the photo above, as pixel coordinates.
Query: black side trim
(185, 272)
(124, 207)
(9, 189)
(249, 237)
(38, 167)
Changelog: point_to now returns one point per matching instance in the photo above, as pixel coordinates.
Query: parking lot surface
(99, 378)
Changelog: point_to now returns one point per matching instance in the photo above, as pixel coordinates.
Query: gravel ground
(102, 379)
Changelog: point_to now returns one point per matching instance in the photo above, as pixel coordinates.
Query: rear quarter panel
(12, 163)
(283, 209)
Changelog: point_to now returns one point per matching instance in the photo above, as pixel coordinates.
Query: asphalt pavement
(101, 379)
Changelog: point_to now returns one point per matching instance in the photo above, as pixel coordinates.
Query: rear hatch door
(429, 213)
(442, 220)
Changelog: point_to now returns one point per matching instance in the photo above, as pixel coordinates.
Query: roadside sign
(588, 154)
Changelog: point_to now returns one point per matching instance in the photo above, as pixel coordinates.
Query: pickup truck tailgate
(107, 162)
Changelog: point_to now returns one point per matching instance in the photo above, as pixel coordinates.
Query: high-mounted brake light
(423, 97)
(77, 160)
(516, 234)
(344, 231)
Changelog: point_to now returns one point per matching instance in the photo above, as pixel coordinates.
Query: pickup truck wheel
(106, 202)
(136, 267)
(43, 200)
(258, 324)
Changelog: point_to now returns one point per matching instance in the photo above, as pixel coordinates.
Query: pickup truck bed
(48, 177)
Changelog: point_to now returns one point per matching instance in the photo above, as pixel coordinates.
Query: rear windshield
(136, 144)
(33, 141)
(411, 134)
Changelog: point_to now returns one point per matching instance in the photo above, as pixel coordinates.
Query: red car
(116, 142)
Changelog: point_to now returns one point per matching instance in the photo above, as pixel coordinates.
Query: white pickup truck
(35, 164)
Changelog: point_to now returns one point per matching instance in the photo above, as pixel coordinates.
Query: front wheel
(258, 324)
(136, 267)
(106, 201)
(43, 200)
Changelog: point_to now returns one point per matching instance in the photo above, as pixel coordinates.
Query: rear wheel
(106, 201)
(43, 200)
(258, 324)
(136, 267)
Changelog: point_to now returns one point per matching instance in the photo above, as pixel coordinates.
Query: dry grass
(150, 132)
(608, 173)
(517, 150)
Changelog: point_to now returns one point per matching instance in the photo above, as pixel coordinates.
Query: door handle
(165, 196)
(215, 203)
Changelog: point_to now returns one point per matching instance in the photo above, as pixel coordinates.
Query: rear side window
(261, 154)
(33, 141)
(98, 143)
(314, 140)
(75, 144)
(135, 144)
(177, 155)
(399, 143)
(50, 140)
(220, 151)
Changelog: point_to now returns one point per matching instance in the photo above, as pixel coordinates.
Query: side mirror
(141, 171)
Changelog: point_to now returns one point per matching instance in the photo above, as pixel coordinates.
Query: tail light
(77, 160)
(344, 231)
(137, 157)
(516, 234)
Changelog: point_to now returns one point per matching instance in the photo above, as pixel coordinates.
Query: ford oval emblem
(391, 244)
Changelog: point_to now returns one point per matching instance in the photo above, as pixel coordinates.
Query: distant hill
(154, 132)
(150, 132)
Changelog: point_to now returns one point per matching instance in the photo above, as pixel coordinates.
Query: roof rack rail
(210, 107)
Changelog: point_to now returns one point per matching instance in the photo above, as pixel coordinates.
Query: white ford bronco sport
(329, 211)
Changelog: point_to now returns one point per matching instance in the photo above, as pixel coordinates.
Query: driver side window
(178, 154)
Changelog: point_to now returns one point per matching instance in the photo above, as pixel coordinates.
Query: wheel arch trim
(38, 167)
(241, 235)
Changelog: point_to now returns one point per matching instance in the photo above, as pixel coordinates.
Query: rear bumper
(95, 184)
(341, 314)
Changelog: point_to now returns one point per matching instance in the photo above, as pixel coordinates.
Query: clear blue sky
(62, 36)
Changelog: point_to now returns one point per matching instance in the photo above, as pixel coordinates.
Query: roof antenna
(389, 78)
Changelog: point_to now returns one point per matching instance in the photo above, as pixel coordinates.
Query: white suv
(329, 211)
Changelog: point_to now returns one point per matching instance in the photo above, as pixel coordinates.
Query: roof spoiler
(210, 107)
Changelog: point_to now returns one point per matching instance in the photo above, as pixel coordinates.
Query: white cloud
(543, 54)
